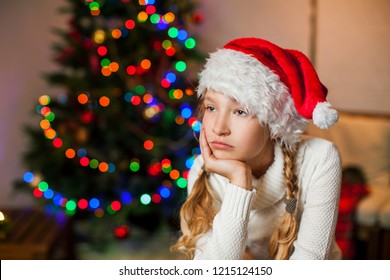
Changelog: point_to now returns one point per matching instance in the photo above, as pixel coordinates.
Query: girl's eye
(241, 112)
(210, 108)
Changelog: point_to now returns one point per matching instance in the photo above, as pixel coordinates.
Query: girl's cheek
(205, 122)
(206, 130)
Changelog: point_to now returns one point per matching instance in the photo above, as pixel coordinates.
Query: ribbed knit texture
(246, 219)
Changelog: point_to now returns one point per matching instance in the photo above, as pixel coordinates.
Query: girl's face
(231, 132)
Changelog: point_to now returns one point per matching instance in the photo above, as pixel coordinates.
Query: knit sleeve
(320, 177)
(227, 237)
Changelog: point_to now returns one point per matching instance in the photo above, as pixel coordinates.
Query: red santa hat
(278, 85)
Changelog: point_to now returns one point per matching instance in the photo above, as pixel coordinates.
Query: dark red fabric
(350, 196)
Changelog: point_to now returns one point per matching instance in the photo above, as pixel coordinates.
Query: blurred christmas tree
(119, 141)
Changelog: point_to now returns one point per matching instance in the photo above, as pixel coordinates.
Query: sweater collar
(270, 187)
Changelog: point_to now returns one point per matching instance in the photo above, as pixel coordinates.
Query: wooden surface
(33, 234)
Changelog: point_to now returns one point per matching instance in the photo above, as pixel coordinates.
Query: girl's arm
(226, 239)
(228, 235)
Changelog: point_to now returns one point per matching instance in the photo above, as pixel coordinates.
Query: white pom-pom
(324, 116)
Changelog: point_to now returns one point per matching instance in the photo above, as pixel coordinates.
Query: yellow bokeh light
(44, 100)
(50, 133)
(178, 94)
(169, 17)
(99, 36)
(45, 124)
(142, 16)
(149, 113)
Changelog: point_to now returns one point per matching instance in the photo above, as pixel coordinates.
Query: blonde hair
(199, 211)
(198, 214)
(280, 245)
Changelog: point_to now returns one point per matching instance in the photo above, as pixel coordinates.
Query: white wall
(352, 55)
(283, 22)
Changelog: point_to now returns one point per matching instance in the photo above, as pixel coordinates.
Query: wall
(283, 22)
(353, 53)
(25, 54)
(352, 58)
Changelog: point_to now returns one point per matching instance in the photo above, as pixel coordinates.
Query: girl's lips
(220, 145)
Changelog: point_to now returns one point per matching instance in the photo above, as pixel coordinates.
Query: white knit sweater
(246, 219)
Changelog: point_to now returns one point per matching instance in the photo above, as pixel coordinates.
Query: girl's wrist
(242, 179)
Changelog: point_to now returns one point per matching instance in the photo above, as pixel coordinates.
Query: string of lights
(151, 105)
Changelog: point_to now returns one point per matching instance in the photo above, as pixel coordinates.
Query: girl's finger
(203, 143)
(205, 148)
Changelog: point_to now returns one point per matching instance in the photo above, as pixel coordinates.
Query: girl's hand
(237, 172)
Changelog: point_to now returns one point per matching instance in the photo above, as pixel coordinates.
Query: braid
(198, 213)
(286, 232)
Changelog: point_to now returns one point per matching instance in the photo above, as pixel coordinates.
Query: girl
(260, 190)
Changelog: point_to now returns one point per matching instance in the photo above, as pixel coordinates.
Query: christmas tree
(119, 141)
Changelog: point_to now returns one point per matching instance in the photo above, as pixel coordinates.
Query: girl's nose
(221, 126)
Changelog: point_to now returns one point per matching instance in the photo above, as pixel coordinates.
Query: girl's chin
(224, 155)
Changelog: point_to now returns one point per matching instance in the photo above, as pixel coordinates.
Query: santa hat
(279, 86)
